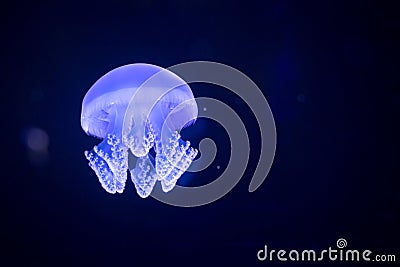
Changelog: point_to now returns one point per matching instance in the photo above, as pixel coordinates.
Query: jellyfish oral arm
(174, 157)
(109, 159)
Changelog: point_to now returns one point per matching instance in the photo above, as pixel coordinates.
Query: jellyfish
(134, 109)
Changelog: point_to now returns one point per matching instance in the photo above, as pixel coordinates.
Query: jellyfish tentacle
(173, 158)
(106, 177)
(109, 159)
(118, 161)
(185, 157)
(167, 187)
(169, 182)
(163, 168)
(144, 176)
(148, 138)
(141, 136)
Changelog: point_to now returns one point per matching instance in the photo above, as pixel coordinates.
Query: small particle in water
(301, 98)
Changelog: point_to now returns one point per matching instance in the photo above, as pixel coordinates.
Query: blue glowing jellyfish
(136, 108)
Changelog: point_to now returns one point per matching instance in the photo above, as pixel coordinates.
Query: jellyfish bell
(135, 108)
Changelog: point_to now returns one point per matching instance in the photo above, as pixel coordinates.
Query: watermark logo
(213, 109)
(341, 243)
(340, 253)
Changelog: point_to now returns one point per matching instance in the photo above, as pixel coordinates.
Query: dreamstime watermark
(238, 83)
(338, 253)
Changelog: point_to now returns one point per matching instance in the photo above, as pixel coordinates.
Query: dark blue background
(329, 69)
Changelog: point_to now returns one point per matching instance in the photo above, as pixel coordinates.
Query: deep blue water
(328, 69)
